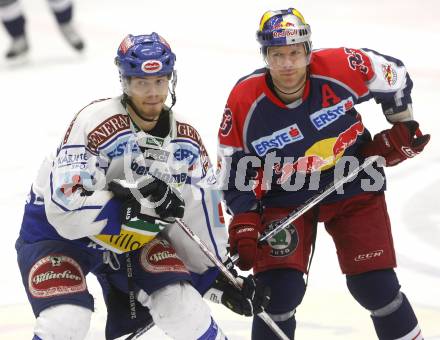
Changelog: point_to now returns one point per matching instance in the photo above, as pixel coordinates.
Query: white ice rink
(215, 45)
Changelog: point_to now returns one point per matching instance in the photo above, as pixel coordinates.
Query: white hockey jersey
(69, 199)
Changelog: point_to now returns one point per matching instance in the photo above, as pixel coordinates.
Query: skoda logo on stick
(152, 66)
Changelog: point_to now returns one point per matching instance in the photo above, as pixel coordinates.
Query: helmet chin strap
(172, 89)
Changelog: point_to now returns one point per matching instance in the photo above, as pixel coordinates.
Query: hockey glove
(252, 299)
(397, 144)
(244, 230)
(168, 205)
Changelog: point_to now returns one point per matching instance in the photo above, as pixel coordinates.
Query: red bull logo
(348, 138)
(322, 155)
(305, 164)
(282, 24)
(285, 33)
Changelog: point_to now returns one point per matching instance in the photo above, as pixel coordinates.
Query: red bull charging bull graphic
(322, 155)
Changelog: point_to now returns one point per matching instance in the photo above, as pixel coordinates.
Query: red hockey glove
(244, 231)
(398, 143)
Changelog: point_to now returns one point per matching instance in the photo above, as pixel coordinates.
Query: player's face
(148, 94)
(287, 64)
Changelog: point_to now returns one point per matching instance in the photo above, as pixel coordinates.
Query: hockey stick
(140, 331)
(279, 225)
(263, 315)
(311, 202)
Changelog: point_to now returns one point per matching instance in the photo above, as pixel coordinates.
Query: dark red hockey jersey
(298, 146)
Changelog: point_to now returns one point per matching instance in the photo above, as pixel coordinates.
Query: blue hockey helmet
(283, 27)
(145, 55)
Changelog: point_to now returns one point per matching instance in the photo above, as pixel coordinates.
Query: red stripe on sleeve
(238, 106)
(347, 65)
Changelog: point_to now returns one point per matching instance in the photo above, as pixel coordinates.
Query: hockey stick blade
(140, 332)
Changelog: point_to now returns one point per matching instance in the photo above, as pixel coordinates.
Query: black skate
(69, 32)
(19, 49)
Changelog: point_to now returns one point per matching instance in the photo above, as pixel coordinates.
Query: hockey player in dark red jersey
(294, 121)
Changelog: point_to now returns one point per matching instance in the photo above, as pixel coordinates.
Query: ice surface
(215, 45)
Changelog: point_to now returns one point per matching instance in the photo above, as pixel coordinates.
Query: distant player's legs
(13, 20)
(362, 234)
(287, 291)
(63, 11)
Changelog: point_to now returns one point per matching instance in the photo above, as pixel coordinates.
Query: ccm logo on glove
(243, 238)
(245, 230)
(404, 140)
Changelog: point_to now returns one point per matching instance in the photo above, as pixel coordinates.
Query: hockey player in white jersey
(106, 203)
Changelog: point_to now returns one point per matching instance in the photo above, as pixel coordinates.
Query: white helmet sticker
(151, 66)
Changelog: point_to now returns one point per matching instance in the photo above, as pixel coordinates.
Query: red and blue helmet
(284, 27)
(145, 55)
